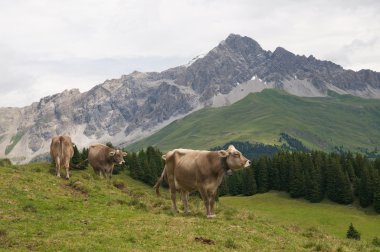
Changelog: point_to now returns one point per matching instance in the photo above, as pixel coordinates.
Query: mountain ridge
(136, 105)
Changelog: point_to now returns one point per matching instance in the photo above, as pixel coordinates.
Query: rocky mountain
(136, 105)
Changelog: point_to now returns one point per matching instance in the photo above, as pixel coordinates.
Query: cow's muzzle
(122, 162)
(248, 163)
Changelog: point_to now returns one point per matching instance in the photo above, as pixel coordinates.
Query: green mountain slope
(320, 123)
(40, 212)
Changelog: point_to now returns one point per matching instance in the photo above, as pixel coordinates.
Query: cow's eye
(236, 154)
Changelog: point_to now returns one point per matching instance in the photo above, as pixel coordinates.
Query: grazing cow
(61, 151)
(103, 158)
(195, 170)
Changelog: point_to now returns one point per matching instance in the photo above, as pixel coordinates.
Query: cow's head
(117, 156)
(235, 160)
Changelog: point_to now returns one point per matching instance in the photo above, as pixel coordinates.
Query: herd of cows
(185, 170)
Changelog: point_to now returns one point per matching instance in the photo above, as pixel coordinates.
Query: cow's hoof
(210, 216)
(58, 175)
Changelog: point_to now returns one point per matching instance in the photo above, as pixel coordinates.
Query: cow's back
(193, 168)
(61, 149)
(182, 168)
(55, 148)
(67, 148)
(97, 155)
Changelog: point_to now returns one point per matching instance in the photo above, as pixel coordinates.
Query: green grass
(320, 123)
(326, 216)
(41, 212)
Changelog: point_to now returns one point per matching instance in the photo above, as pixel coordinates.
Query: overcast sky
(47, 46)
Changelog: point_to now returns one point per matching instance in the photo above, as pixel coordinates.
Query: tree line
(314, 176)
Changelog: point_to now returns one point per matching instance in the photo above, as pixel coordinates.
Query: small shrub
(309, 245)
(352, 233)
(37, 169)
(116, 202)
(61, 207)
(3, 232)
(318, 247)
(79, 186)
(5, 162)
(230, 243)
(29, 207)
(131, 239)
(86, 176)
(118, 184)
(376, 241)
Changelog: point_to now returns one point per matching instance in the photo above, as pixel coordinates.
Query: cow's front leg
(185, 201)
(212, 203)
(206, 201)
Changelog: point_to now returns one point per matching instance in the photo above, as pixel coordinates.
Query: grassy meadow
(40, 212)
(320, 123)
(326, 216)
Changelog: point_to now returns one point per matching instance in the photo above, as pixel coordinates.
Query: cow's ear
(223, 153)
(124, 154)
(112, 153)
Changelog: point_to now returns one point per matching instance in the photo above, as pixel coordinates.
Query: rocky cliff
(136, 105)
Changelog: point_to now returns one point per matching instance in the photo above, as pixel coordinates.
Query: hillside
(40, 212)
(318, 122)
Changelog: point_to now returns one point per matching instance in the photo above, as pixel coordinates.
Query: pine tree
(273, 175)
(365, 194)
(338, 187)
(223, 188)
(76, 159)
(313, 181)
(352, 233)
(261, 175)
(376, 192)
(296, 179)
(249, 183)
(233, 187)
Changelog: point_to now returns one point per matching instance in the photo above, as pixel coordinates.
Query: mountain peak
(236, 41)
(280, 51)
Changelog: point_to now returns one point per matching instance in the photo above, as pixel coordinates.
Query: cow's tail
(159, 181)
(61, 139)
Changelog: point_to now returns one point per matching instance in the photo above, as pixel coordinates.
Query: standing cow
(61, 151)
(195, 170)
(103, 158)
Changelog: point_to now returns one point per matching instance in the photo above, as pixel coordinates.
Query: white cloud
(80, 43)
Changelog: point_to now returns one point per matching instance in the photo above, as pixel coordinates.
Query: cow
(197, 170)
(103, 158)
(61, 151)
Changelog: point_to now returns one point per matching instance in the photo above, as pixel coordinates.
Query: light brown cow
(61, 151)
(103, 158)
(195, 170)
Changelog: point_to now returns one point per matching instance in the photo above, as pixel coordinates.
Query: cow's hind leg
(185, 201)
(58, 167)
(173, 193)
(67, 167)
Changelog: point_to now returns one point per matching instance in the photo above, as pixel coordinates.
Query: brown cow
(103, 158)
(61, 151)
(195, 170)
